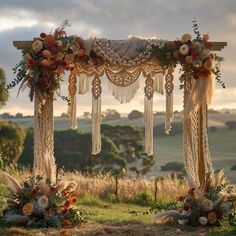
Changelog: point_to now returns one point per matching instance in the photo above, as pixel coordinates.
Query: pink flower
(37, 45)
(45, 63)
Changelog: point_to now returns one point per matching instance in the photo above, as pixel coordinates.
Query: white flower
(182, 221)
(197, 63)
(184, 49)
(59, 43)
(207, 205)
(203, 220)
(43, 201)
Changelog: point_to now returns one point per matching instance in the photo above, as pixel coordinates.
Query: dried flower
(188, 59)
(184, 49)
(203, 220)
(212, 218)
(186, 37)
(43, 201)
(205, 37)
(37, 45)
(27, 209)
(207, 205)
(209, 64)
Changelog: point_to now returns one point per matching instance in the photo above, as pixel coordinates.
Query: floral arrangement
(195, 55)
(210, 205)
(41, 204)
(45, 63)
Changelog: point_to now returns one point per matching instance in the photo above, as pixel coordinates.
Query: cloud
(22, 20)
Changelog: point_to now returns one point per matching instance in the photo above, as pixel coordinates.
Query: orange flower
(186, 37)
(73, 200)
(212, 218)
(46, 53)
(49, 40)
(81, 52)
(27, 209)
(64, 232)
(45, 62)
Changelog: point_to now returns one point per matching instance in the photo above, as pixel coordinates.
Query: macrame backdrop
(197, 95)
(44, 161)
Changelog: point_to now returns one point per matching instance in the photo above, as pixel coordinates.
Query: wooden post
(201, 161)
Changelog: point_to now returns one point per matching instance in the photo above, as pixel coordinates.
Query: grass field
(169, 148)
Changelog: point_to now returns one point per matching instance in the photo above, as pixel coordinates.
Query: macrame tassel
(169, 99)
(148, 115)
(96, 115)
(159, 83)
(83, 84)
(72, 95)
(44, 161)
(124, 94)
(148, 121)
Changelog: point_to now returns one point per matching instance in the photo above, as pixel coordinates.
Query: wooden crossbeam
(216, 46)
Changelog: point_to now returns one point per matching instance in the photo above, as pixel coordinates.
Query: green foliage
(11, 142)
(173, 166)
(3, 92)
(111, 114)
(135, 115)
(230, 124)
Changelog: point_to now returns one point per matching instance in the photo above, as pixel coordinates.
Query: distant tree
(11, 142)
(6, 115)
(64, 115)
(135, 115)
(111, 114)
(19, 115)
(213, 129)
(87, 115)
(173, 166)
(3, 92)
(230, 124)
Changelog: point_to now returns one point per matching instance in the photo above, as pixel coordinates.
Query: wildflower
(27, 209)
(43, 201)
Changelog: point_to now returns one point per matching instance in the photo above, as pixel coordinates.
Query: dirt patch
(106, 230)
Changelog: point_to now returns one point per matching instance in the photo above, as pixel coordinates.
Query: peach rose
(37, 45)
(27, 209)
(184, 49)
(207, 205)
(186, 37)
(205, 53)
(45, 62)
(27, 57)
(212, 218)
(188, 59)
(209, 64)
(46, 54)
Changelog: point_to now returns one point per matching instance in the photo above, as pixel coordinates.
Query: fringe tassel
(83, 84)
(148, 122)
(159, 83)
(169, 100)
(72, 95)
(96, 115)
(124, 94)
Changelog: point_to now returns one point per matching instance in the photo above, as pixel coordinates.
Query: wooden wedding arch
(123, 62)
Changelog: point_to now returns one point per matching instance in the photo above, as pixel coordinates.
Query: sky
(117, 19)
